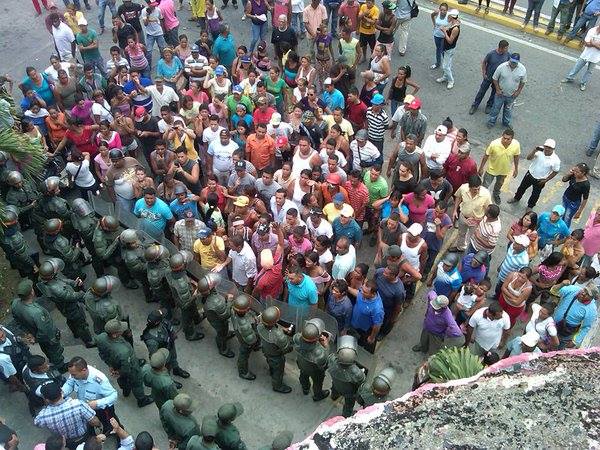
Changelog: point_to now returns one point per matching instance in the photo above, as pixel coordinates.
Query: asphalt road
(545, 109)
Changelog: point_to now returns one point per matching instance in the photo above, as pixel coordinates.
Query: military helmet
(159, 358)
(208, 282)
(347, 349)
(14, 177)
(242, 303)
(3, 157)
(382, 383)
(81, 207)
(10, 215)
(180, 260)
(50, 267)
(53, 226)
(229, 411)
(312, 330)
(51, 185)
(129, 236)
(209, 427)
(105, 285)
(155, 252)
(270, 316)
(109, 223)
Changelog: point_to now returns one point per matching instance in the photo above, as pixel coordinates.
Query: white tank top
(299, 163)
(298, 194)
(411, 253)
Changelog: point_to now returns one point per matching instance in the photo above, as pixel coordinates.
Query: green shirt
(85, 40)
(378, 189)
(275, 87)
(232, 103)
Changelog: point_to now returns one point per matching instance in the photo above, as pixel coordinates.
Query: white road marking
(514, 38)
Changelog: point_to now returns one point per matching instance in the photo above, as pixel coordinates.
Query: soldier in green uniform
(217, 311)
(57, 245)
(379, 389)
(100, 304)
(16, 249)
(312, 348)
(84, 223)
(243, 320)
(52, 206)
(228, 436)
(156, 377)
(275, 344)
(208, 431)
(67, 297)
(177, 420)
(4, 171)
(159, 334)
(185, 298)
(21, 194)
(119, 356)
(157, 268)
(106, 246)
(35, 320)
(346, 376)
(132, 253)
(282, 441)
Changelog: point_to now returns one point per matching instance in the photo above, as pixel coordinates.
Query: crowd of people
(272, 169)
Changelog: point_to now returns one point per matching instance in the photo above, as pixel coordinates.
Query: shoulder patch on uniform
(98, 380)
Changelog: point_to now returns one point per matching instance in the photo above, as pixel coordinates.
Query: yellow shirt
(500, 158)
(345, 125)
(331, 212)
(373, 13)
(72, 21)
(207, 254)
(473, 207)
(189, 146)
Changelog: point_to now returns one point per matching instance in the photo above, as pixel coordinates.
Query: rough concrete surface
(528, 401)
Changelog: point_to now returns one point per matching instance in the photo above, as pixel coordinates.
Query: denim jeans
(595, 138)
(298, 23)
(563, 10)
(258, 34)
(332, 13)
(447, 64)
(483, 88)
(150, 40)
(535, 7)
(394, 104)
(584, 21)
(580, 64)
(502, 101)
(571, 208)
(439, 49)
(102, 4)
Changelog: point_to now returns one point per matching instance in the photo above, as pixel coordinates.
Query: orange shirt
(56, 129)
(260, 151)
(328, 198)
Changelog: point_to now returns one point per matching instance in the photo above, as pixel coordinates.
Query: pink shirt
(170, 16)
(313, 17)
(303, 248)
(416, 213)
(591, 237)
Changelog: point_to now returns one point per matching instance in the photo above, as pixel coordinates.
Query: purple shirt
(441, 322)
(469, 272)
(433, 243)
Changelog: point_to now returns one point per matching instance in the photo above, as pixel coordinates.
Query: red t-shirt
(262, 117)
(356, 113)
(269, 283)
(458, 171)
(83, 141)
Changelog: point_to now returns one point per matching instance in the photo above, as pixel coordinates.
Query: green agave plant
(452, 364)
(21, 148)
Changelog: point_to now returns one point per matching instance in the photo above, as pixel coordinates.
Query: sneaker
(582, 87)
(440, 80)
(566, 80)
(434, 66)
(417, 348)
(487, 10)
(548, 32)
(512, 200)
(243, 16)
(450, 85)
(523, 25)
(472, 110)
(283, 389)
(497, 200)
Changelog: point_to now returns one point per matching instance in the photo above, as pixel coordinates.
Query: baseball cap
(245, 58)
(361, 135)
(377, 99)
(203, 233)
(82, 21)
(550, 143)
(414, 104)
(262, 229)
(180, 189)
(347, 211)
(307, 115)
(439, 302)
(441, 129)
(338, 198)
(275, 119)
(220, 70)
(139, 113)
(242, 200)
(515, 57)
(195, 49)
(531, 338)
(559, 209)
(281, 141)
(153, 4)
(261, 100)
(522, 239)
(394, 251)
(409, 98)
(237, 89)
(415, 229)
(334, 178)
(316, 212)
(327, 81)
(464, 148)
(453, 13)
(240, 165)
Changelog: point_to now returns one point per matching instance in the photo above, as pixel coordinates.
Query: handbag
(562, 328)
(70, 181)
(414, 9)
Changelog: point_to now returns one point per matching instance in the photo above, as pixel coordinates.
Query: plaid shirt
(69, 418)
(187, 235)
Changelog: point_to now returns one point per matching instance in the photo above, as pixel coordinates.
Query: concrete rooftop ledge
(528, 401)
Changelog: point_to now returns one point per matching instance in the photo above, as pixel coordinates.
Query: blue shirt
(468, 272)
(367, 313)
(548, 231)
(340, 310)
(95, 387)
(304, 294)
(153, 218)
(492, 60)
(224, 48)
(386, 209)
(446, 283)
(168, 71)
(179, 209)
(352, 230)
(392, 294)
(592, 7)
(579, 314)
(247, 118)
(333, 99)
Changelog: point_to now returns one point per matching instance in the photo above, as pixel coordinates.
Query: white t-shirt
(591, 54)
(243, 264)
(297, 6)
(63, 37)
(342, 162)
(488, 333)
(441, 150)
(545, 328)
(53, 73)
(344, 264)
(541, 166)
(466, 300)
(163, 126)
(102, 110)
(208, 135)
(159, 99)
(110, 64)
(222, 154)
(324, 228)
(279, 216)
(325, 258)
(84, 178)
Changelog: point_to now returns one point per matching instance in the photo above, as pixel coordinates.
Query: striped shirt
(513, 262)
(69, 418)
(377, 123)
(486, 235)
(358, 198)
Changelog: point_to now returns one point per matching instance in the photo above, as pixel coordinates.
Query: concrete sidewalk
(515, 21)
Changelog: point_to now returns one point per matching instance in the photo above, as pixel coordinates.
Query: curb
(515, 21)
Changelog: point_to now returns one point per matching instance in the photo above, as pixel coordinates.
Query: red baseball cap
(415, 104)
(281, 141)
(139, 112)
(333, 178)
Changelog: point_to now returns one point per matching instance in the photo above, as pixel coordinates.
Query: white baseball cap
(550, 143)
(522, 239)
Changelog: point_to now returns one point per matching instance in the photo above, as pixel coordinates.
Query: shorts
(365, 39)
